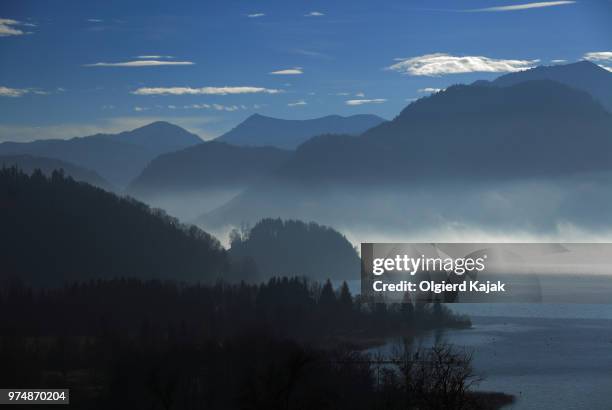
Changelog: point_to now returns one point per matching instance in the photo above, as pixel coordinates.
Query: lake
(547, 356)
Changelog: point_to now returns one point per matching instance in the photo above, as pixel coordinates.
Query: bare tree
(439, 377)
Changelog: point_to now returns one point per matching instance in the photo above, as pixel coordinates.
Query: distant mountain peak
(537, 97)
(260, 130)
(583, 75)
(159, 126)
(116, 157)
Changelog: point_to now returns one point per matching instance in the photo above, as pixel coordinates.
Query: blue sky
(71, 68)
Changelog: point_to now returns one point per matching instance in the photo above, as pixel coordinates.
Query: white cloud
(217, 107)
(525, 6)
(19, 92)
(12, 92)
(196, 106)
(289, 71)
(95, 20)
(342, 94)
(314, 14)
(441, 64)
(220, 107)
(429, 90)
(558, 61)
(140, 63)
(599, 56)
(203, 90)
(360, 94)
(297, 103)
(255, 15)
(361, 102)
(7, 27)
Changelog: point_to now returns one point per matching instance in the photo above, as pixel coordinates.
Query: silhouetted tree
(296, 248)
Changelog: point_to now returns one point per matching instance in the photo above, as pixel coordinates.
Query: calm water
(548, 356)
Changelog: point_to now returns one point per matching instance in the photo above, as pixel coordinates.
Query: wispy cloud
(289, 71)
(362, 102)
(204, 90)
(600, 57)
(8, 27)
(360, 94)
(309, 53)
(441, 64)
(297, 103)
(218, 107)
(525, 6)
(558, 61)
(140, 63)
(314, 14)
(255, 15)
(12, 92)
(95, 20)
(19, 92)
(429, 90)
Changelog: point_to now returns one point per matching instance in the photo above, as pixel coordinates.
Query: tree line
(284, 344)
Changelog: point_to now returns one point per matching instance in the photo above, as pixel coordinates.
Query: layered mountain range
(118, 158)
(547, 122)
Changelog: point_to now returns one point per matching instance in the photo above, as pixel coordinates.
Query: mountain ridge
(583, 75)
(471, 123)
(463, 136)
(260, 130)
(29, 163)
(116, 157)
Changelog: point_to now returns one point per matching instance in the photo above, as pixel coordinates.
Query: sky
(73, 68)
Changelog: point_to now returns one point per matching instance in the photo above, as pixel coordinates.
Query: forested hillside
(56, 229)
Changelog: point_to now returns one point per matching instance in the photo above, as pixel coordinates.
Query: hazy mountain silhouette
(29, 164)
(583, 75)
(467, 134)
(56, 229)
(209, 165)
(116, 157)
(296, 248)
(475, 131)
(158, 136)
(258, 130)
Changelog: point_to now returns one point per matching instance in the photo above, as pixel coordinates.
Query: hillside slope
(56, 229)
